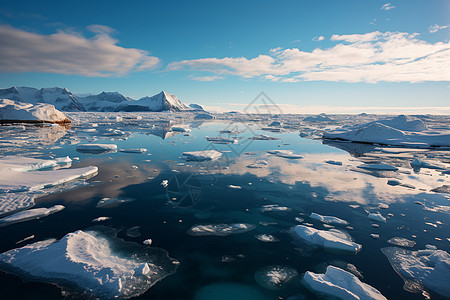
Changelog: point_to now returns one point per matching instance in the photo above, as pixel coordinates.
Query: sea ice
(285, 154)
(101, 219)
(333, 239)
(262, 137)
(96, 148)
(221, 140)
(259, 164)
(202, 155)
(334, 162)
(133, 150)
(378, 167)
(328, 219)
(275, 277)
(399, 241)
(110, 202)
(376, 217)
(340, 284)
(92, 261)
(34, 213)
(430, 268)
(219, 229)
(267, 238)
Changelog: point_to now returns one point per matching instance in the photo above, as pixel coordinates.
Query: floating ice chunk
(377, 217)
(334, 162)
(134, 150)
(393, 182)
(275, 277)
(430, 268)
(258, 164)
(263, 137)
(26, 239)
(30, 214)
(147, 242)
(401, 242)
(340, 284)
(234, 187)
(109, 202)
(383, 206)
(333, 239)
(432, 247)
(101, 219)
(221, 140)
(378, 167)
(87, 259)
(219, 229)
(96, 148)
(202, 155)
(267, 238)
(375, 236)
(418, 164)
(165, 183)
(328, 219)
(285, 154)
(275, 207)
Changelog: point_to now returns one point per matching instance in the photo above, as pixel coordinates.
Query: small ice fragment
(375, 225)
(165, 183)
(96, 148)
(219, 229)
(401, 242)
(101, 219)
(383, 206)
(333, 162)
(374, 236)
(202, 155)
(234, 187)
(133, 150)
(267, 238)
(285, 154)
(142, 269)
(267, 208)
(328, 219)
(377, 217)
(431, 247)
(300, 220)
(378, 167)
(228, 259)
(275, 277)
(259, 164)
(147, 242)
(393, 182)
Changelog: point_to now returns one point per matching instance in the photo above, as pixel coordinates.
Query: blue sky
(308, 56)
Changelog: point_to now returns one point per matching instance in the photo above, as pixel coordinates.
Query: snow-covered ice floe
(133, 150)
(91, 263)
(331, 240)
(339, 284)
(96, 148)
(219, 229)
(30, 214)
(285, 154)
(275, 277)
(328, 219)
(14, 112)
(202, 155)
(428, 268)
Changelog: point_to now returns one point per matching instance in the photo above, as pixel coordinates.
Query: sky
(308, 56)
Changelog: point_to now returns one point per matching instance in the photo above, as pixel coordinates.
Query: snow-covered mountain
(161, 102)
(105, 101)
(61, 98)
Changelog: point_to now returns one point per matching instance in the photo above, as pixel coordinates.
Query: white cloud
(370, 57)
(206, 78)
(70, 53)
(318, 38)
(434, 28)
(387, 6)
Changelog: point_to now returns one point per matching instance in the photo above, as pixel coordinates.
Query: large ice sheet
(96, 263)
(333, 239)
(340, 284)
(429, 268)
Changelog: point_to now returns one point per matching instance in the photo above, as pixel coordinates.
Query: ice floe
(332, 240)
(285, 154)
(259, 164)
(340, 284)
(133, 150)
(429, 268)
(202, 155)
(93, 262)
(97, 148)
(275, 277)
(267, 238)
(219, 229)
(101, 219)
(377, 217)
(221, 140)
(31, 214)
(328, 219)
(399, 241)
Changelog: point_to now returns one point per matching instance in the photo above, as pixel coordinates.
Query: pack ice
(93, 262)
(340, 284)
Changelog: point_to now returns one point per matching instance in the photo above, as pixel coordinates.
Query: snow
(378, 167)
(328, 219)
(35, 213)
(328, 239)
(275, 277)
(97, 148)
(87, 259)
(10, 202)
(376, 217)
(340, 284)
(12, 111)
(202, 155)
(402, 122)
(219, 229)
(133, 150)
(430, 268)
(285, 154)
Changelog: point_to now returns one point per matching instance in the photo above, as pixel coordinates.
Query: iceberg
(18, 112)
(429, 268)
(340, 284)
(31, 214)
(96, 148)
(202, 155)
(219, 229)
(328, 219)
(332, 240)
(93, 262)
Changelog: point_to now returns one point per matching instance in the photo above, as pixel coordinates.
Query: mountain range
(64, 100)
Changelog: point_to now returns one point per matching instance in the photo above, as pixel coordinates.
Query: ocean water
(224, 267)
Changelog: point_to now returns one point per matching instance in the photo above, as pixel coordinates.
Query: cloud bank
(70, 53)
(371, 57)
